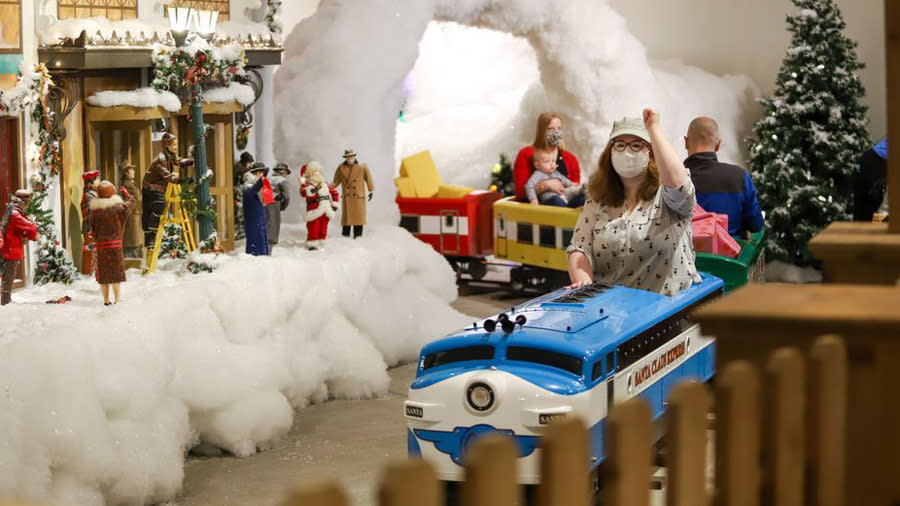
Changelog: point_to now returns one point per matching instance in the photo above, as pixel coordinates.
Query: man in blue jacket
(721, 187)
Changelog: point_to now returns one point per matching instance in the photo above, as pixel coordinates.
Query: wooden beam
(892, 37)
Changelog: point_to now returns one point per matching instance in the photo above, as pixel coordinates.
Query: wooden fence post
(784, 432)
(491, 473)
(409, 482)
(686, 444)
(629, 455)
(317, 493)
(564, 464)
(737, 435)
(826, 414)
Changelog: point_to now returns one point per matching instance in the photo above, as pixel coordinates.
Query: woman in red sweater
(548, 137)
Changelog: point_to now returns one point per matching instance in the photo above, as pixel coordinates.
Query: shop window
(206, 5)
(110, 9)
(10, 26)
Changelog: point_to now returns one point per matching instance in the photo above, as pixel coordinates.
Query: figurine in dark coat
(256, 197)
(282, 200)
(109, 215)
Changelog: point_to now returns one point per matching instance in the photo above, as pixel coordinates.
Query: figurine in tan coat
(353, 178)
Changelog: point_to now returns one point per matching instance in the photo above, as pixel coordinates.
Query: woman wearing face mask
(635, 228)
(548, 137)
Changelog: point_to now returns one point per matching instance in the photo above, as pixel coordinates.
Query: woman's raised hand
(651, 117)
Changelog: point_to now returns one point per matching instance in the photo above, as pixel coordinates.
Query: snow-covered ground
(99, 404)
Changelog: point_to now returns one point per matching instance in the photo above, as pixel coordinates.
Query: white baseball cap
(630, 126)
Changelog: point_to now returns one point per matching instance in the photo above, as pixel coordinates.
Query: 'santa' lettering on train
(666, 358)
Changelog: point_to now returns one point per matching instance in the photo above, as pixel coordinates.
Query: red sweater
(19, 227)
(523, 168)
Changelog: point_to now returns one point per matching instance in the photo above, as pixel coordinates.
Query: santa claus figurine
(321, 203)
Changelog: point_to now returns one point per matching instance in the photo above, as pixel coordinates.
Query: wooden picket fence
(779, 440)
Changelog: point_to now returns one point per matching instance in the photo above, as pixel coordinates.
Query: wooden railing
(779, 440)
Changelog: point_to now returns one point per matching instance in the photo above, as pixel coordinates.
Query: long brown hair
(540, 133)
(606, 187)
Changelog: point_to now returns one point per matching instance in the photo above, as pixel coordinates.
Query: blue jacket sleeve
(752, 214)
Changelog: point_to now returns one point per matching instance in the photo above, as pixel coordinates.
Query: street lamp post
(205, 24)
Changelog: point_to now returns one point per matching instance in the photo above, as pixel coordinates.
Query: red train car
(461, 229)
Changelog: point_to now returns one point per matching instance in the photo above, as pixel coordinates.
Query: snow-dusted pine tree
(804, 148)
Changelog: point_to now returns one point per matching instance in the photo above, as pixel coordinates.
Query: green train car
(736, 272)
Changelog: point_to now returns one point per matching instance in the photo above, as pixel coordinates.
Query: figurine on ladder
(173, 213)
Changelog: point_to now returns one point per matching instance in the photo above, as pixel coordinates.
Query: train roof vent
(580, 295)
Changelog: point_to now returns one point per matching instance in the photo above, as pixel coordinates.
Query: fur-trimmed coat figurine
(321, 203)
(109, 215)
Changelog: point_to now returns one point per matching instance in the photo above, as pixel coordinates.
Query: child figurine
(353, 178)
(321, 203)
(109, 215)
(545, 168)
(15, 227)
(282, 195)
(90, 179)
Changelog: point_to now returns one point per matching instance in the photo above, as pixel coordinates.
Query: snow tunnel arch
(341, 83)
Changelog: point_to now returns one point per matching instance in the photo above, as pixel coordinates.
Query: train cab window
(598, 370)
(610, 362)
(458, 355)
(525, 233)
(545, 357)
(410, 223)
(566, 238)
(449, 221)
(547, 236)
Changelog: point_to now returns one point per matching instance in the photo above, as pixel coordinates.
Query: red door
(9, 158)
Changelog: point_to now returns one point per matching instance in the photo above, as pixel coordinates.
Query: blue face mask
(881, 148)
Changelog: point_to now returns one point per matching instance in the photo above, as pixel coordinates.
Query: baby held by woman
(545, 168)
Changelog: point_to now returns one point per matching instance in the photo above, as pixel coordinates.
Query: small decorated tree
(502, 177)
(804, 148)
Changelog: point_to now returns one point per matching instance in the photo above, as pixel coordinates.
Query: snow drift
(99, 404)
(342, 85)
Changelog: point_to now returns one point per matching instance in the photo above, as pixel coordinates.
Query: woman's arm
(672, 172)
(580, 271)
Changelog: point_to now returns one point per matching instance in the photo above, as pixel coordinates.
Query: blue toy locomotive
(574, 351)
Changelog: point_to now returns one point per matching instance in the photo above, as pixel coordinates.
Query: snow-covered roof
(101, 32)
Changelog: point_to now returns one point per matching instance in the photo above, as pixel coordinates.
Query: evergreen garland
(53, 263)
(804, 148)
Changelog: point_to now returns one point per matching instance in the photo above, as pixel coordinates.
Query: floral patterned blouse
(648, 248)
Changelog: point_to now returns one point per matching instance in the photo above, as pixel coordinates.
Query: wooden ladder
(175, 214)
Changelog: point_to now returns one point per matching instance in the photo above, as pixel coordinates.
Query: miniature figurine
(282, 196)
(14, 227)
(162, 171)
(109, 215)
(353, 177)
(321, 203)
(257, 194)
(90, 179)
(131, 240)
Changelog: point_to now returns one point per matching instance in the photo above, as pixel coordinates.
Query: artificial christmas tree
(53, 265)
(804, 148)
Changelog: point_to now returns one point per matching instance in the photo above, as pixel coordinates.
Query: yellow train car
(536, 237)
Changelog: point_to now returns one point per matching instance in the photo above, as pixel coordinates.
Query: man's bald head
(702, 136)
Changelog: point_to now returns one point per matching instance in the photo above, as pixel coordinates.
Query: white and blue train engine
(567, 352)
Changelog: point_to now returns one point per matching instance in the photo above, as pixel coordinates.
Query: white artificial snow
(241, 93)
(342, 86)
(99, 404)
(143, 97)
(778, 271)
(71, 28)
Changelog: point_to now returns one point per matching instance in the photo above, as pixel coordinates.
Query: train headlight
(480, 397)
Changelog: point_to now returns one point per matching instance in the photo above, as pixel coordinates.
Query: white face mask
(629, 164)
